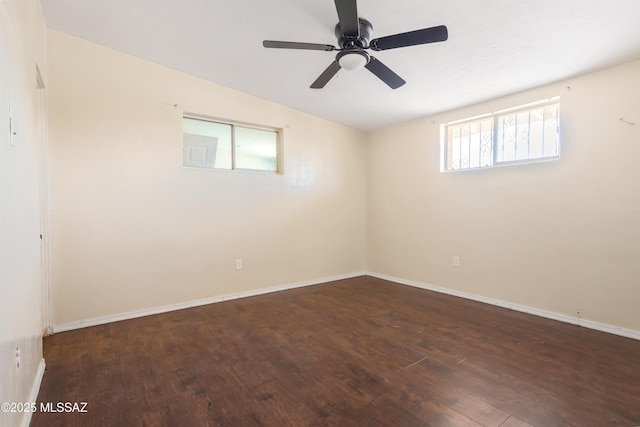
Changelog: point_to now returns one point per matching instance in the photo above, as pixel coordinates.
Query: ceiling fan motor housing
(360, 41)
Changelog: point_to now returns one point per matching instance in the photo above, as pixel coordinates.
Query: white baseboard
(195, 303)
(616, 330)
(603, 327)
(35, 389)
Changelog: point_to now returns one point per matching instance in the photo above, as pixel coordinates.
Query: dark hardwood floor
(357, 352)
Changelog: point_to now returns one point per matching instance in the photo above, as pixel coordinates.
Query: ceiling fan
(354, 37)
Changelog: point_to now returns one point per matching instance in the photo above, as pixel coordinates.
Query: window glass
(219, 145)
(256, 149)
(526, 133)
(206, 144)
(470, 144)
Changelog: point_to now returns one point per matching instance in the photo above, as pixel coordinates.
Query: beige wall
(22, 45)
(133, 229)
(561, 236)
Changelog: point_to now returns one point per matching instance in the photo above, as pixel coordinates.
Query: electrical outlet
(456, 261)
(238, 264)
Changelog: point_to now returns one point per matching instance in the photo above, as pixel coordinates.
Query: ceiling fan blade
(348, 17)
(384, 73)
(412, 38)
(295, 45)
(326, 75)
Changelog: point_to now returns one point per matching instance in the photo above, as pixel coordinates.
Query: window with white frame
(227, 145)
(526, 133)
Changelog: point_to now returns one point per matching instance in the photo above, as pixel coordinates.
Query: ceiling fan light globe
(353, 60)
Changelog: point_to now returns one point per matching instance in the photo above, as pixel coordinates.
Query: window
(226, 145)
(522, 134)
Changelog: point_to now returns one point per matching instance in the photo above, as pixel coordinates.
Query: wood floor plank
(514, 422)
(475, 408)
(354, 352)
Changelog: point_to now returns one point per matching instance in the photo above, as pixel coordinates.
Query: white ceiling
(495, 47)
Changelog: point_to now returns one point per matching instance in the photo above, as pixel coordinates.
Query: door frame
(44, 204)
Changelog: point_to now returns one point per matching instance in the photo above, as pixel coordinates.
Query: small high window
(227, 145)
(521, 134)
